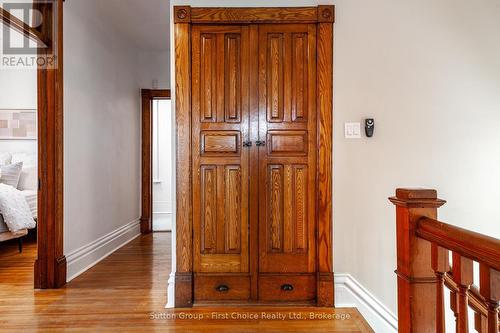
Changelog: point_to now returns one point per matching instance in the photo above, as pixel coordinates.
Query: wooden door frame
(184, 18)
(50, 266)
(148, 95)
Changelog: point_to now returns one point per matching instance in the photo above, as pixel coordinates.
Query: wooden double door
(254, 155)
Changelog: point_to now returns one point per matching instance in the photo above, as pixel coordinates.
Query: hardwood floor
(126, 292)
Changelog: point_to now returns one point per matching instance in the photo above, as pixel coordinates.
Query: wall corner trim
(89, 255)
(350, 293)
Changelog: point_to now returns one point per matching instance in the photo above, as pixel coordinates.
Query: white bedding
(16, 211)
(31, 199)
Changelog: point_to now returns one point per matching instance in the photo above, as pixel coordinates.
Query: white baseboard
(171, 292)
(350, 293)
(88, 255)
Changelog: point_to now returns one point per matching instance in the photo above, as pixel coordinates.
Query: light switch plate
(353, 130)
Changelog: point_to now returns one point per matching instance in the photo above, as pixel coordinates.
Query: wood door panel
(232, 76)
(274, 68)
(208, 78)
(299, 82)
(208, 211)
(232, 225)
(287, 143)
(287, 172)
(220, 120)
(214, 143)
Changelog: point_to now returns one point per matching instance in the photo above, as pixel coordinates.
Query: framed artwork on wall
(18, 124)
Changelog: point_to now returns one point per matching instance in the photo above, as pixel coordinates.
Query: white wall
(102, 129)
(18, 90)
(429, 73)
(155, 66)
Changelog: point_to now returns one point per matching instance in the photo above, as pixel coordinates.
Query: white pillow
(28, 179)
(5, 158)
(11, 173)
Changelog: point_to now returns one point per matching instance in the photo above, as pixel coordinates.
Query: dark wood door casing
(147, 97)
(254, 128)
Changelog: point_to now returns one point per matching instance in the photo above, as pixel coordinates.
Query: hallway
(126, 292)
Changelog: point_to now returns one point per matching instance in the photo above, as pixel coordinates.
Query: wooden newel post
(417, 281)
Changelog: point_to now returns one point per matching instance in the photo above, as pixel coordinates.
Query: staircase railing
(424, 246)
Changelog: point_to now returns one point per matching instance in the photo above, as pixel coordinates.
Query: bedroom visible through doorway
(18, 166)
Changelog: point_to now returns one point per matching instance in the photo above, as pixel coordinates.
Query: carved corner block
(326, 14)
(182, 14)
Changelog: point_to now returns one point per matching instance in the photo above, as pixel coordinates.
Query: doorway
(157, 166)
(41, 26)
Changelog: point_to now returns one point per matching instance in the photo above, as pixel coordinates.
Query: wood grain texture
(182, 14)
(423, 246)
(232, 77)
(271, 68)
(287, 143)
(255, 15)
(209, 213)
(325, 164)
(467, 243)
(183, 290)
(233, 186)
(462, 271)
(94, 302)
(253, 84)
(218, 143)
(220, 149)
(208, 78)
(287, 176)
(490, 289)
(414, 265)
(303, 288)
(50, 266)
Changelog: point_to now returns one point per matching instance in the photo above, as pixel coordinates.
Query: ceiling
(145, 22)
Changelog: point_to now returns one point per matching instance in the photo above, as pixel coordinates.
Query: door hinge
(39, 184)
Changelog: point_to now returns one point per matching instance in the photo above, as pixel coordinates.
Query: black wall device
(369, 127)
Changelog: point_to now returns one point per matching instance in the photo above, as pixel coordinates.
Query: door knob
(222, 288)
(247, 144)
(260, 143)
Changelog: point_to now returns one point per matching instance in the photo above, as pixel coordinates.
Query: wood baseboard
(61, 269)
(183, 290)
(325, 293)
(59, 274)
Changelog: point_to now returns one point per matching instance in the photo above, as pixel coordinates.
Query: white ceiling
(145, 22)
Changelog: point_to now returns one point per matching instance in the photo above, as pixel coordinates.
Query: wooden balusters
(423, 246)
(489, 280)
(480, 322)
(440, 265)
(462, 271)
